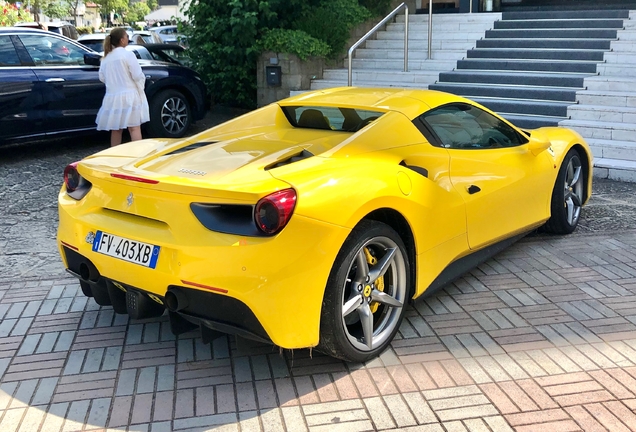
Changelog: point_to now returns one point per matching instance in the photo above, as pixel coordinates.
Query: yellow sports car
(313, 221)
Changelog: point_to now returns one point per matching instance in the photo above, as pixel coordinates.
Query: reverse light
(76, 186)
(272, 212)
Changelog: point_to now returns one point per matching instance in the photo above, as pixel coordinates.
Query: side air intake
(190, 147)
(295, 158)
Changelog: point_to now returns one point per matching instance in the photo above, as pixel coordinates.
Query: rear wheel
(568, 195)
(170, 114)
(366, 294)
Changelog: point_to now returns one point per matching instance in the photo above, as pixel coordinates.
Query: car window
(95, 45)
(330, 118)
(141, 53)
(49, 50)
(463, 126)
(8, 56)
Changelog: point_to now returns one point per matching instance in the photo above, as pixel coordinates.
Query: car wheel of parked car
(170, 114)
(568, 195)
(366, 294)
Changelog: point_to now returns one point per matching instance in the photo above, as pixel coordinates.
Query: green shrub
(85, 30)
(225, 38)
(377, 7)
(341, 16)
(294, 42)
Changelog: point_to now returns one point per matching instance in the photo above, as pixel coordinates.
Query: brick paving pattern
(542, 337)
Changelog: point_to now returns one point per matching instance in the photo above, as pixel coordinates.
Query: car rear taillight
(76, 185)
(274, 211)
(71, 177)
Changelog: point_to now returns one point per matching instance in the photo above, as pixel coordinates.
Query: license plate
(125, 249)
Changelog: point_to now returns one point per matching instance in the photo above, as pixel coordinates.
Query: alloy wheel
(573, 193)
(374, 293)
(174, 114)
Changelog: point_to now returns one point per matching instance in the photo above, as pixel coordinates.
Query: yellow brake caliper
(379, 284)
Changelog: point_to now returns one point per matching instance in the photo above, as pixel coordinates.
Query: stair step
(560, 24)
(414, 54)
(510, 92)
(414, 65)
(615, 169)
(595, 44)
(608, 98)
(602, 130)
(516, 78)
(625, 150)
(566, 14)
(423, 35)
(616, 69)
(419, 77)
(531, 122)
(528, 65)
(546, 54)
(540, 108)
(422, 44)
(482, 17)
(438, 27)
(603, 113)
(610, 83)
(329, 83)
(552, 34)
(620, 57)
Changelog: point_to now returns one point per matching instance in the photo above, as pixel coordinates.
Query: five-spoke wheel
(568, 195)
(366, 294)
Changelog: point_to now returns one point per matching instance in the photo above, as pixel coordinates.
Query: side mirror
(538, 142)
(92, 59)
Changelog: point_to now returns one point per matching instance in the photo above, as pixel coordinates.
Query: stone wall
(295, 75)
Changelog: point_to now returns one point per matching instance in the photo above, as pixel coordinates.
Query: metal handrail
(374, 29)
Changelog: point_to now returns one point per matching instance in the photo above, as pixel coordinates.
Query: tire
(365, 288)
(567, 196)
(170, 115)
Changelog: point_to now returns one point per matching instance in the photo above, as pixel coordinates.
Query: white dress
(125, 103)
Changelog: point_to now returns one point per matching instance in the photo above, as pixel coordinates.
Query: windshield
(95, 45)
(330, 118)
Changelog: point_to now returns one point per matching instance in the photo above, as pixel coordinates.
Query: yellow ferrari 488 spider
(313, 221)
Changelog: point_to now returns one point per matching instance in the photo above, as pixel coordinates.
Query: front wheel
(366, 294)
(170, 114)
(567, 196)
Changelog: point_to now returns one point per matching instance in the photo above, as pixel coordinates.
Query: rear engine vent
(227, 218)
(295, 158)
(190, 147)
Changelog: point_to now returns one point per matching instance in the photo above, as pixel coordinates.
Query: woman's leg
(115, 137)
(135, 133)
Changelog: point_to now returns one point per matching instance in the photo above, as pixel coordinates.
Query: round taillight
(273, 211)
(72, 178)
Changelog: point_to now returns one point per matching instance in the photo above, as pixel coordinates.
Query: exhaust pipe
(176, 300)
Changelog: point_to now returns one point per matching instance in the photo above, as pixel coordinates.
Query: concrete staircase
(380, 62)
(530, 67)
(606, 111)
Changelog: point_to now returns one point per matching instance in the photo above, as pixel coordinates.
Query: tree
(72, 6)
(137, 12)
(56, 10)
(152, 4)
(108, 6)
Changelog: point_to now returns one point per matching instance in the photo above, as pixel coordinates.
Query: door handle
(473, 189)
(55, 80)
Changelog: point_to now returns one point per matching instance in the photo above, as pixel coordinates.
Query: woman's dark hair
(113, 40)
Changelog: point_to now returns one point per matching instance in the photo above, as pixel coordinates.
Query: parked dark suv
(49, 87)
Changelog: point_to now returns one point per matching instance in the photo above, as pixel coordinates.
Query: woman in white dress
(125, 105)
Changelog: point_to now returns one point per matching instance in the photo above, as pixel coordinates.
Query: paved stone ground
(542, 337)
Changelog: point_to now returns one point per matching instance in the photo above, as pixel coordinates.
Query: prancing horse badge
(130, 199)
